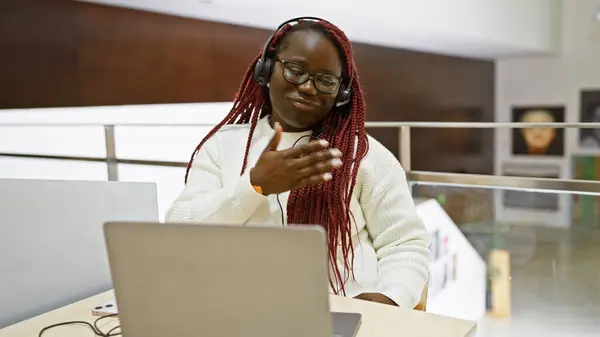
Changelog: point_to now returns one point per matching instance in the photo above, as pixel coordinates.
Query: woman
(295, 137)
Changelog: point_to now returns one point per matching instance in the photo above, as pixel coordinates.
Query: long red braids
(326, 204)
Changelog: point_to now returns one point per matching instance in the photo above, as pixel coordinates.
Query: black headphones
(264, 66)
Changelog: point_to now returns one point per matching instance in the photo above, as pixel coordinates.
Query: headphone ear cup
(343, 96)
(262, 71)
(257, 71)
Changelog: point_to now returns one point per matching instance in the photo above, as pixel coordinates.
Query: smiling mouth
(304, 105)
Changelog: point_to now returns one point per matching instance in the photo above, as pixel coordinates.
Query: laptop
(222, 280)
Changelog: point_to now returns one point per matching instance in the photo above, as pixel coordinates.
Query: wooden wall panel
(403, 85)
(68, 53)
(130, 57)
(37, 54)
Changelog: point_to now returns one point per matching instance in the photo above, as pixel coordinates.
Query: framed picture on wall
(589, 113)
(538, 141)
(536, 201)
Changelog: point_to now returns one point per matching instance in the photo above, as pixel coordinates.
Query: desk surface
(378, 320)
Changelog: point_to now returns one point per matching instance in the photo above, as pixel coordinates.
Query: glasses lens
(326, 83)
(294, 73)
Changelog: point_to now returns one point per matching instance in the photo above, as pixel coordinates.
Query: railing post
(404, 146)
(111, 153)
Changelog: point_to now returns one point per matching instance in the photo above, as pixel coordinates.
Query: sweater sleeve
(399, 236)
(205, 199)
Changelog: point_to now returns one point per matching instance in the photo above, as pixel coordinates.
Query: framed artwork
(538, 141)
(589, 113)
(536, 201)
(586, 208)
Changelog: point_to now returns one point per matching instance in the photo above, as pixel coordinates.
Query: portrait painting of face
(538, 141)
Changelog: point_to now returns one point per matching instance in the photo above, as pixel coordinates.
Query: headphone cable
(93, 326)
(295, 143)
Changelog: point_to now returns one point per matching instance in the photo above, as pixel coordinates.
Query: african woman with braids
(291, 140)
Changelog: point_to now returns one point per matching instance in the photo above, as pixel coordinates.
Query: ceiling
(488, 29)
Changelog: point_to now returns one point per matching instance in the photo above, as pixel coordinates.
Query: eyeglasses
(296, 74)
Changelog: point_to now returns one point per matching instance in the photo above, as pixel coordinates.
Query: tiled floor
(555, 284)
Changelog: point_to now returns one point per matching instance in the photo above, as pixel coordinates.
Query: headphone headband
(285, 23)
(263, 67)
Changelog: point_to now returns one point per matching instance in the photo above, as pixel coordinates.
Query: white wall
(553, 80)
(473, 28)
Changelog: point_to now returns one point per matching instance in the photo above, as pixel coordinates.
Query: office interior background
(124, 90)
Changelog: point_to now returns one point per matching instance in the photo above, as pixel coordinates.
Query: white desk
(378, 321)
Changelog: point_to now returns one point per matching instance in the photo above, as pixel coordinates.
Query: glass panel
(169, 181)
(54, 140)
(30, 168)
(157, 143)
(541, 253)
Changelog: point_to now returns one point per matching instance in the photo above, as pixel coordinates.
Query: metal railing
(404, 142)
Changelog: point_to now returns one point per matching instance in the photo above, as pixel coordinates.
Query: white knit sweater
(391, 254)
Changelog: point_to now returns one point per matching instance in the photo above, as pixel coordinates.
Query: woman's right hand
(297, 167)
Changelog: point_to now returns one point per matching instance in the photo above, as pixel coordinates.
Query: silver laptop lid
(219, 280)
